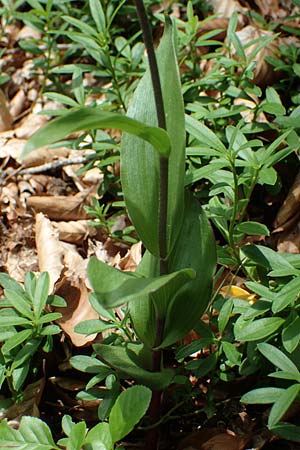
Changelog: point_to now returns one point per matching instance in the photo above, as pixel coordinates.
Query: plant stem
(152, 438)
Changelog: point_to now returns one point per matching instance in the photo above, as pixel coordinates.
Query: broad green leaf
(33, 434)
(16, 340)
(19, 375)
(287, 431)
(19, 302)
(282, 404)
(232, 353)
(41, 293)
(50, 330)
(140, 164)
(290, 335)
(25, 353)
(277, 357)
(130, 407)
(87, 118)
(204, 135)
(258, 329)
(87, 364)
(11, 320)
(224, 315)
(124, 360)
(49, 317)
(77, 436)
(262, 395)
(93, 326)
(285, 375)
(99, 438)
(8, 282)
(252, 228)
(287, 295)
(195, 248)
(98, 15)
(114, 288)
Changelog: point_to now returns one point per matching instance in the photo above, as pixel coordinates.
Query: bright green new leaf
(262, 395)
(99, 438)
(277, 357)
(124, 360)
(87, 118)
(140, 164)
(77, 436)
(129, 408)
(258, 329)
(282, 404)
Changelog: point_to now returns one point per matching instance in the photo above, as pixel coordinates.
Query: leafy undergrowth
(239, 67)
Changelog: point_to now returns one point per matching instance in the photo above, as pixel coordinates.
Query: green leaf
(232, 353)
(49, 317)
(93, 326)
(8, 282)
(16, 340)
(41, 293)
(262, 395)
(20, 303)
(287, 295)
(282, 404)
(252, 228)
(25, 353)
(77, 436)
(114, 288)
(8, 318)
(195, 248)
(98, 15)
(204, 135)
(130, 407)
(258, 329)
(99, 438)
(87, 118)
(277, 357)
(290, 335)
(33, 434)
(287, 431)
(124, 360)
(140, 164)
(224, 315)
(88, 364)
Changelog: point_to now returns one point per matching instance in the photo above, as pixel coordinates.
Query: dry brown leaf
(44, 155)
(132, 258)
(60, 207)
(5, 117)
(30, 125)
(18, 103)
(213, 439)
(29, 405)
(20, 260)
(249, 114)
(74, 231)
(78, 309)
(49, 249)
(73, 288)
(289, 242)
(227, 8)
(11, 147)
(268, 7)
(290, 209)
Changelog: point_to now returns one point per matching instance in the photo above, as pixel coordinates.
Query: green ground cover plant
(178, 150)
